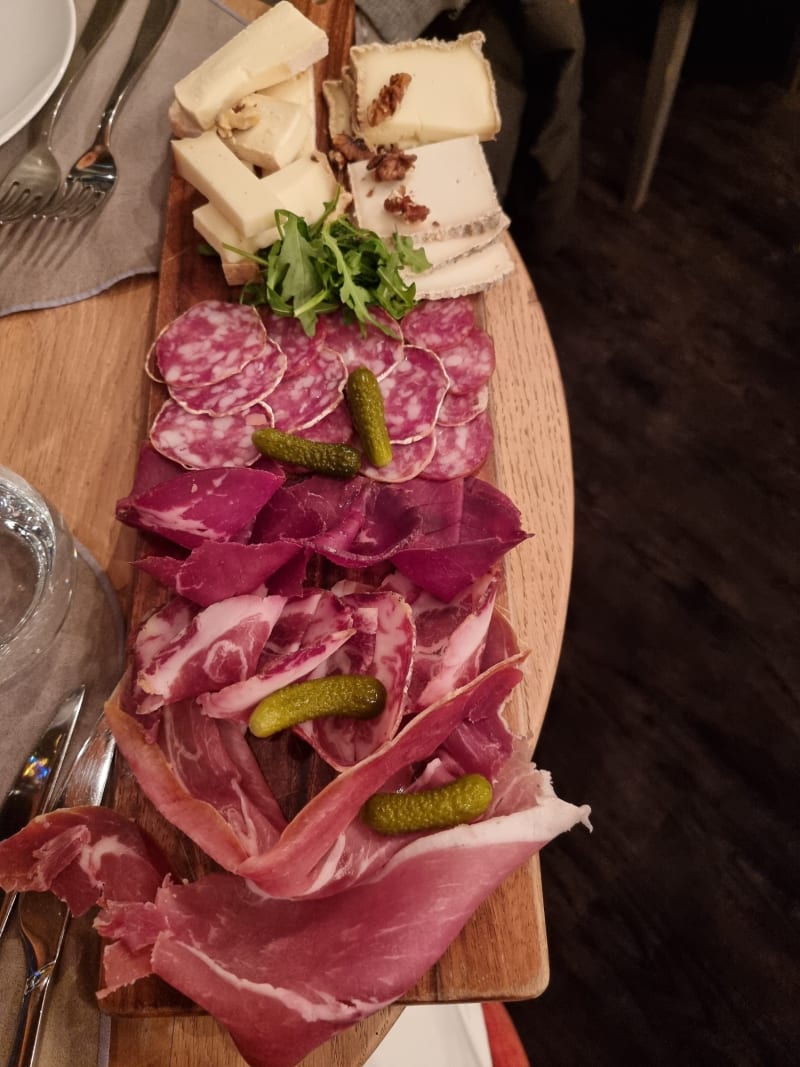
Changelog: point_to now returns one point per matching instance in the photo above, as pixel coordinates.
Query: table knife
(43, 919)
(37, 779)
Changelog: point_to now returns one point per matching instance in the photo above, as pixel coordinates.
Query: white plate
(35, 45)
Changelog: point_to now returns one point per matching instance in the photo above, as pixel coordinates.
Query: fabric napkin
(45, 262)
(89, 649)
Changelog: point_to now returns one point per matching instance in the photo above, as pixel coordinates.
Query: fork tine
(15, 204)
(78, 202)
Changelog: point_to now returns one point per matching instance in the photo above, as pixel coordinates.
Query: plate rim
(13, 126)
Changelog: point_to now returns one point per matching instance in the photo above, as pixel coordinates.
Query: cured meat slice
(201, 441)
(216, 571)
(373, 349)
(255, 381)
(470, 362)
(202, 777)
(292, 339)
(85, 855)
(155, 633)
(380, 524)
(211, 341)
(447, 558)
(199, 506)
(437, 324)
(309, 630)
(460, 450)
(408, 461)
(305, 398)
(382, 646)
(335, 428)
(412, 395)
(450, 636)
(458, 408)
(220, 645)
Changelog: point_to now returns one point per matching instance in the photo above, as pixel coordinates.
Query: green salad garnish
(332, 264)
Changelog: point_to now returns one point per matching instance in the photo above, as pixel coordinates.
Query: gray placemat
(89, 649)
(46, 262)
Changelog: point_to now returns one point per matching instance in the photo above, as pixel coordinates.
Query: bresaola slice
(211, 341)
(192, 507)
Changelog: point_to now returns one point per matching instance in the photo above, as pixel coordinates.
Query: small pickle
(339, 461)
(358, 696)
(461, 801)
(366, 410)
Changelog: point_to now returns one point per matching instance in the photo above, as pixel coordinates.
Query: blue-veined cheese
(451, 178)
(278, 44)
(451, 92)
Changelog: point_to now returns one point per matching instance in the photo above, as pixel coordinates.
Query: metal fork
(36, 176)
(94, 174)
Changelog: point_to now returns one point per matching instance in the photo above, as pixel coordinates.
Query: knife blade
(37, 779)
(43, 919)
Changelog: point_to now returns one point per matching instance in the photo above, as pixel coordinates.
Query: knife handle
(31, 1010)
(5, 911)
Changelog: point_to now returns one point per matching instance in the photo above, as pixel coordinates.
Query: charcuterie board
(501, 953)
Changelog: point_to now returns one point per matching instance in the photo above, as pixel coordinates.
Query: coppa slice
(211, 341)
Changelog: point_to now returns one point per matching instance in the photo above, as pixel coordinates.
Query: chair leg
(675, 22)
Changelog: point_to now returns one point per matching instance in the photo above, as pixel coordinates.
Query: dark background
(673, 928)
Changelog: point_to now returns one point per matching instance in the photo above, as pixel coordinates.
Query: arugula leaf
(313, 269)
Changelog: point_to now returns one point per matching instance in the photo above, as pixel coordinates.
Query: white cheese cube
(450, 178)
(277, 133)
(278, 44)
(451, 92)
(211, 167)
(300, 90)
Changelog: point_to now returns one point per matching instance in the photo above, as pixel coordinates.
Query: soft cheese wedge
(451, 92)
(280, 43)
(451, 249)
(450, 178)
(470, 274)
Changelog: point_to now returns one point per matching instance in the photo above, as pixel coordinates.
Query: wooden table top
(73, 411)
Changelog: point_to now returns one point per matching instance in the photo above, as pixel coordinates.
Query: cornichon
(461, 801)
(358, 696)
(340, 461)
(366, 410)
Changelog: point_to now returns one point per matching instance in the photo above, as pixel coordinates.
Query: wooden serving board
(501, 954)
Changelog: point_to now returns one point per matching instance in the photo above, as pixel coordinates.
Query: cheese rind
(451, 178)
(454, 248)
(470, 274)
(278, 44)
(451, 92)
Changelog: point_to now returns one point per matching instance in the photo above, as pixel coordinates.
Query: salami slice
(255, 381)
(459, 408)
(211, 341)
(336, 428)
(470, 362)
(438, 324)
(289, 335)
(203, 441)
(306, 398)
(412, 395)
(375, 350)
(460, 450)
(408, 461)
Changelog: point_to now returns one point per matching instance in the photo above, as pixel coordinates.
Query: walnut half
(388, 99)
